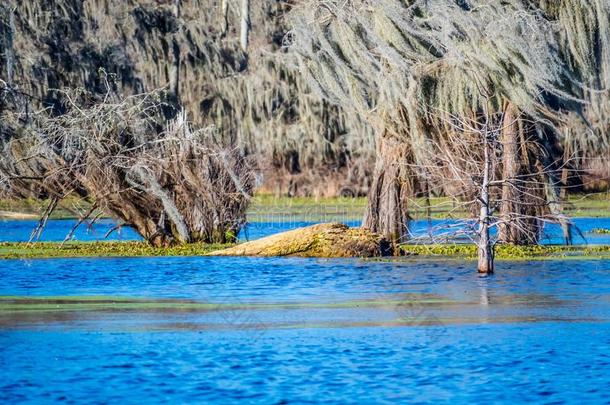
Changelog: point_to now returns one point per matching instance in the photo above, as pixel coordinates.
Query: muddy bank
(16, 215)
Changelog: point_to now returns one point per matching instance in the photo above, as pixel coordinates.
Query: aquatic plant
(600, 231)
(508, 252)
(21, 250)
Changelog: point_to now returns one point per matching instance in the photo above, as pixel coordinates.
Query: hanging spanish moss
(418, 70)
(194, 51)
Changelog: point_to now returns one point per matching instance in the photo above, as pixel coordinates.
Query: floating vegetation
(117, 303)
(187, 314)
(42, 250)
(509, 251)
(22, 250)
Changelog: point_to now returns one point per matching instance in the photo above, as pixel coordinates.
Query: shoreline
(267, 208)
(20, 216)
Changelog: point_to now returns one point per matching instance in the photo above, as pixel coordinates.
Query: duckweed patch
(600, 231)
(21, 250)
(41, 250)
(507, 252)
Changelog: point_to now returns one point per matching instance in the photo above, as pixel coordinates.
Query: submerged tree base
(321, 240)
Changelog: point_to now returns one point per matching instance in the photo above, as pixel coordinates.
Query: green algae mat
(36, 250)
(41, 250)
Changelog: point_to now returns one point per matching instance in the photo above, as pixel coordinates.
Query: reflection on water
(279, 330)
(118, 313)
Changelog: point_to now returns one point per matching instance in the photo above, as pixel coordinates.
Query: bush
(170, 182)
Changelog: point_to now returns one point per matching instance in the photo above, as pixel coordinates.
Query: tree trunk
(245, 25)
(224, 9)
(552, 161)
(174, 76)
(386, 211)
(519, 225)
(9, 52)
(565, 175)
(428, 207)
(484, 244)
(563, 198)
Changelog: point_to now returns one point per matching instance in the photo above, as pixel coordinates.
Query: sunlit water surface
(56, 230)
(288, 330)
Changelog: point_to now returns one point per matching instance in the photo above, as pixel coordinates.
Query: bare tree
(171, 183)
(473, 169)
(258, 101)
(485, 246)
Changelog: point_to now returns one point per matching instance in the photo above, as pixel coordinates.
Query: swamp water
(56, 230)
(290, 330)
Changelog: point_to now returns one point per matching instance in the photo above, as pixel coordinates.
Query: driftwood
(321, 240)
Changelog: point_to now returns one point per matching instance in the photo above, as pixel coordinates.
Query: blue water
(56, 230)
(537, 363)
(535, 332)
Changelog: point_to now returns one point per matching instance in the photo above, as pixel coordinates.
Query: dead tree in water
(485, 247)
(169, 182)
(473, 168)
